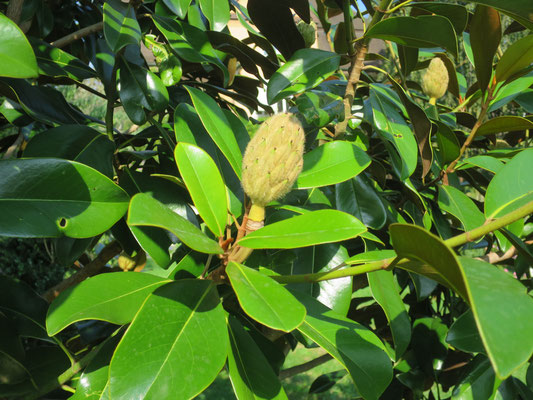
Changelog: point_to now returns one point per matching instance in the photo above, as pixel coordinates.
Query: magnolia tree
(384, 218)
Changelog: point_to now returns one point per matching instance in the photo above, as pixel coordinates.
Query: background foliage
(402, 257)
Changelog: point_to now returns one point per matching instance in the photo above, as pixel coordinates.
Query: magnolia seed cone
(273, 159)
(435, 80)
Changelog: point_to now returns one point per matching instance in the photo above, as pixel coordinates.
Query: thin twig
(298, 369)
(107, 253)
(88, 30)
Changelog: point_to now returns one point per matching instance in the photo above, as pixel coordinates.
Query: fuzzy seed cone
(435, 80)
(308, 32)
(273, 159)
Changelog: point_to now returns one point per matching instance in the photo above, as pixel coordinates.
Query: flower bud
(273, 159)
(435, 80)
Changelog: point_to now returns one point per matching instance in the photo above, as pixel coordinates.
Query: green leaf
(480, 381)
(58, 63)
(485, 36)
(190, 43)
(218, 127)
(77, 143)
(316, 227)
(320, 107)
(17, 59)
(304, 70)
(458, 204)
(502, 310)
(511, 187)
(488, 163)
(332, 163)
(393, 128)
(463, 334)
(386, 292)
(421, 32)
(359, 198)
(178, 336)
(250, 372)
(139, 89)
(265, 300)
(520, 10)
(93, 379)
(354, 346)
(505, 123)
(114, 297)
(431, 257)
(449, 146)
(517, 57)
(457, 14)
(24, 307)
(199, 173)
(37, 203)
(147, 211)
(120, 25)
(178, 7)
(216, 12)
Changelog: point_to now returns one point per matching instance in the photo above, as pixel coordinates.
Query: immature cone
(308, 32)
(273, 159)
(435, 80)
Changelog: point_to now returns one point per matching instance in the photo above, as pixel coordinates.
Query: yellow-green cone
(435, 80)
(273, 159)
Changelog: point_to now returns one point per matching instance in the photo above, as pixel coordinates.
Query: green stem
(64, 377)
(163, 133)
(392, 262)
(492, 226)
(111, 94)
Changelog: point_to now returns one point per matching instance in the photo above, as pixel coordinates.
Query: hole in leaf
(62, 223)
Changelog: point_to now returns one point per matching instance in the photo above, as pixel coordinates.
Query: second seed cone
(273, 159)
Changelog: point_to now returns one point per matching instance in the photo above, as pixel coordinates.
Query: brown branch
(107, 253)
(494, 258)
(14, 10)
(62, 42)
(298, 369)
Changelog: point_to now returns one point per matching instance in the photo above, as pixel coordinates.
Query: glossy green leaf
(113, 297)
(17, 59)
(485, 36)
(11, 353)
(251, 375)
(511, 187)
(479, 383)
(511, 91)
(265, 300)
(516, 58)
(370, 256)
(36, 202)
(520, 10)
(448, 143)
(320, 107)
(178, 7)
(332, 163)
(144, 210)
(354, 346)
(458, 204)
(428, 344)
(178, 336)
(393, 128)
(335, 293)
(190, 43)
(386, 292)
(94, 378)
(24, 307)
(304, 70)
(216, 12)
(323, 226)
(205, 185)
(421, 32)
(218, 127)
(139, 89)
(463, 334)
(120, 25)
(502, 310)
(506, 123)
(77, 143)
(359, 198)
(457, 14)
(431, 257)
(488, 163)
(58, 63)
